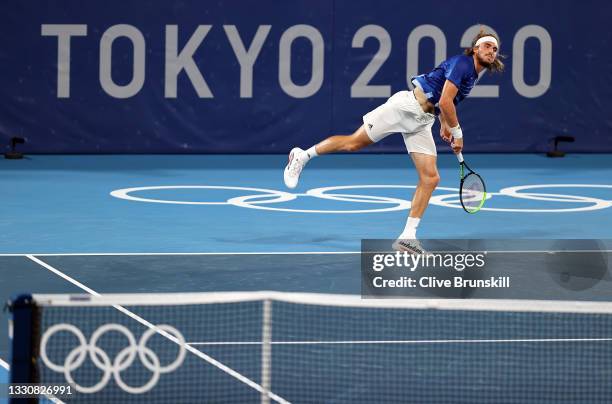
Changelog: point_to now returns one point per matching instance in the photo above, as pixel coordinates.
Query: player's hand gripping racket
(473, 191)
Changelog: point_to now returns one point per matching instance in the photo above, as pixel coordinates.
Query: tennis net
(267, 347)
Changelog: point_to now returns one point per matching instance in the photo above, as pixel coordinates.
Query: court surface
(129, 224)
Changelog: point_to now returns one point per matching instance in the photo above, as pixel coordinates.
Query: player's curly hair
(497, 65)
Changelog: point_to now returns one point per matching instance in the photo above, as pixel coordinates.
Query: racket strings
(472, 191)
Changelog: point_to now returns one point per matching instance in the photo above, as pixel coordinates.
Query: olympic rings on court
(268, 199)
(101, 360)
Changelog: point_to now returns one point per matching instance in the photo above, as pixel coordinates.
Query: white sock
(310, 153)
(411, 227)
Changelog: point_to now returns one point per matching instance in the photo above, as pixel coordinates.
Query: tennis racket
(472, 192)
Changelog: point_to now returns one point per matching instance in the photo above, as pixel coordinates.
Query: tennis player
(412, 113)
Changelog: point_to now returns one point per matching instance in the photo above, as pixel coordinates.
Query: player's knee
(430, 180)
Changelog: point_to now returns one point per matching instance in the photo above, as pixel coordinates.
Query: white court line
(433, 341)
(4, 364)
(163, 333)
(181, 253)
(287, 253)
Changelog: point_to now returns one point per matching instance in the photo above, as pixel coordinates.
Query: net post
(266, 351)
(24, 349)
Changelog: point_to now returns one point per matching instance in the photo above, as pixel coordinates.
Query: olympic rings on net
(268, 199)
(124, 359)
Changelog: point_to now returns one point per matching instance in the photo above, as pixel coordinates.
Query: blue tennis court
(63, 204)
(168, 224)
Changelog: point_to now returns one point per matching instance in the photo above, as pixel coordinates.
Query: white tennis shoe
(294, 167)
(411, 246)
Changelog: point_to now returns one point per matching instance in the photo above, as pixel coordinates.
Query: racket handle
(460, 157)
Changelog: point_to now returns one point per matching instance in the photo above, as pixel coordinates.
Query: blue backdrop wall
(246, 76)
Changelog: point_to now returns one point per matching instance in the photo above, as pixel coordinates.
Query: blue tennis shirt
(458, 69)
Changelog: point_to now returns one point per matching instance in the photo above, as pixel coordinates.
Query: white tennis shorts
(403, 114)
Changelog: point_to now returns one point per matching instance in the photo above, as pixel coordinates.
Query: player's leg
(343, 143)
(429, 178)
(422, 150)
(338, 143)
(378, 124)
